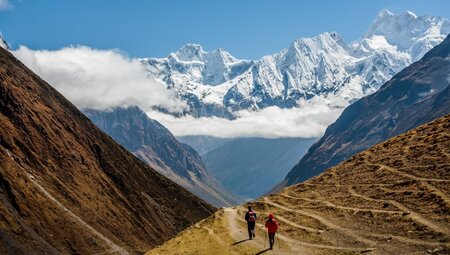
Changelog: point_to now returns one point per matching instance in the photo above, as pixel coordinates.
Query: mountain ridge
(323, 65)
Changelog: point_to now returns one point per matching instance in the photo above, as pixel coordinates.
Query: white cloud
(98, 79)
(309, 120)
(5, 4)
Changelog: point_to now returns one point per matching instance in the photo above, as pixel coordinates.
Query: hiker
(250, 217)
(272, 227)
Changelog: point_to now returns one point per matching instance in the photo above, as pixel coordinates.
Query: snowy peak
(216, 84)
(190, 52)
(384, 13)
(191, 66)
(223, 56)
(325, 42)
(3, 43)
(408, 32)
(195, 52)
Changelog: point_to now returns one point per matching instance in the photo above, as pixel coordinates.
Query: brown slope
(393, 198)
(67, 188)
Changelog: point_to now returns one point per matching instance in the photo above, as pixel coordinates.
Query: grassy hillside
(393, 198)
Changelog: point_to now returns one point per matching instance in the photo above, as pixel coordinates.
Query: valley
(390, 199)
(250, 167)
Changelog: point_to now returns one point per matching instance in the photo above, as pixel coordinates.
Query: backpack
(251, 216)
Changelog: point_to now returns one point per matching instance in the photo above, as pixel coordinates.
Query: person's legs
(271, 240)
(249, 227)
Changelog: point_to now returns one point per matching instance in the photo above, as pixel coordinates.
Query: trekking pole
(265, 238)
(278, 240)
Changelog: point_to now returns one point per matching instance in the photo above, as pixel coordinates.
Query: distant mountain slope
(391, 199)
(249, 167)
(203, 143)
(68, 188)
(217, 84)
(416, 95)
(153, 143)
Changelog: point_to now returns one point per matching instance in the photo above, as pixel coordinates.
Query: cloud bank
(309, 120)
(98, 79)
(103, 79)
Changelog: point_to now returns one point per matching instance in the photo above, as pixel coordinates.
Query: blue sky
(247, 29)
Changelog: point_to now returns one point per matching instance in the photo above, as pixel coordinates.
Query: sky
(247, 29)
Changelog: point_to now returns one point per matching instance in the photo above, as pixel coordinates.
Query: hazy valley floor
(391, 199)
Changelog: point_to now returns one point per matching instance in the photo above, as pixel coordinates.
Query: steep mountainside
(391, 199)
(250, 167)
(154, 144)
(416, 95)
(215, 83)
(68, 188)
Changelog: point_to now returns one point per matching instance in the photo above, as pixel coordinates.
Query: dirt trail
(313, 230)
(437, 192)
(239, 234)
(407, 240)
(324, 221)
(330, 204)
(436, 226)
(413, 177)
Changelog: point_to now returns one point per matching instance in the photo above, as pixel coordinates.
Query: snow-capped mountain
(216, 83)
(3, 43)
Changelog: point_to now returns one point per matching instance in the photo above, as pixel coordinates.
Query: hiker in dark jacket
(272, 227)
(250, 218)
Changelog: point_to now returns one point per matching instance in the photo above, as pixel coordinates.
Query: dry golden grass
(390, 199)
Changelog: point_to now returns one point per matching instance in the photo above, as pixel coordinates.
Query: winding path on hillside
(391, 199)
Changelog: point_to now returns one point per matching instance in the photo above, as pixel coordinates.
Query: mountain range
(68, 188)
(217, 84)
(154, 144)
(416, 95)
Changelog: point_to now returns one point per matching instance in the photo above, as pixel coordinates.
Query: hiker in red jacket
(272, 227)
(250, 218)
